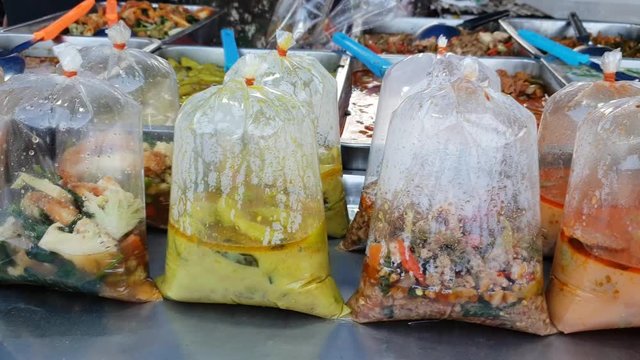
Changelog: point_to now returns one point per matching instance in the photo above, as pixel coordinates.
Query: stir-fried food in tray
(526, 89)
(476, 43)
(144, 18)
(630, 48)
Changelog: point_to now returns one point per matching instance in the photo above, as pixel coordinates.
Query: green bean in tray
(194, 77)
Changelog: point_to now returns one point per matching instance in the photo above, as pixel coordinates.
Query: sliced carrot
(374, 255)
(409, 261)
(132, 247)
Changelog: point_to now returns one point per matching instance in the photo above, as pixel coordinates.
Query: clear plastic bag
(151, 81)
(304, 78)
(299, 17)
(399, 82)
(72, 188)
(564, 111)
(595, 282)
(453, 234)
(350, 17)
(246, 223)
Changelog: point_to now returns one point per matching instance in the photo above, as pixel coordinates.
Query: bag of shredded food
(399, 82)
(151, 81)
(246, 223)
(453, 233)
(308, 81)
(72, 215)
(595, 281)
(563, 112)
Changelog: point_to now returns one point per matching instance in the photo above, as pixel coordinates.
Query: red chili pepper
(492, 52)
(509, 44)
(409, 261)
(374, 47)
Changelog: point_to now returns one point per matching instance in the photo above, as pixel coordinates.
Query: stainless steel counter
(41, 324)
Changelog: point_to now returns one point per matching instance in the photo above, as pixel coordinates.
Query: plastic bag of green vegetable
(151, 81)
(72, 214)
(308, 81)
(246, 223)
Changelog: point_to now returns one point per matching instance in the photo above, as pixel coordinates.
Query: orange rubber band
(249, 81)
(442, 51)
(70, 74)
(610, 77)
(120, 46)
(282, 52)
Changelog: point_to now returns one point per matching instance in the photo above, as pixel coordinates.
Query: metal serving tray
(411, 25)
(44, 48)
(562, 28)
(335, 63)
(355, 155)
(202, 32)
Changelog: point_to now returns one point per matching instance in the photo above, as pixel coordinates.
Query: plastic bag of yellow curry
(151, 81)
(453, 233)
(246, 222)
(72, 214)
(306, 79)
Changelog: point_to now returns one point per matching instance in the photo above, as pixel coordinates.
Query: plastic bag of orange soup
(595, 281)
(399, 82)
(303, 77)
(564, 111)
(151, 81)
(247, 224)
(72, 215)
(454, 230)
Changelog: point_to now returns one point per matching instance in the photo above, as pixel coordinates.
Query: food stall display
(565, 110)
(247, 223)
(72, 193)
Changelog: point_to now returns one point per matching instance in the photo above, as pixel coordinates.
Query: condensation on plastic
(148, 78)
(453, 234)
(400, 81)
(305, 79)
(595, 278)
(72, 201)
(246, 221)
(302, 18)
(564, 111)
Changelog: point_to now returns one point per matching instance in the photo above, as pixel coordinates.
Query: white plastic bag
(151, 81)
(247, 224)
(148, 78)
(304, 78)
(595, 282)
(564, 111)
(453, 234)
(399, 82)
(72, 214)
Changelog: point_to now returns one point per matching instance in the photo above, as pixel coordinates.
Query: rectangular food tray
(411, 25)
(562, 28)
(334, 63)
(355, 155)
(44, 48)
(202, 32)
